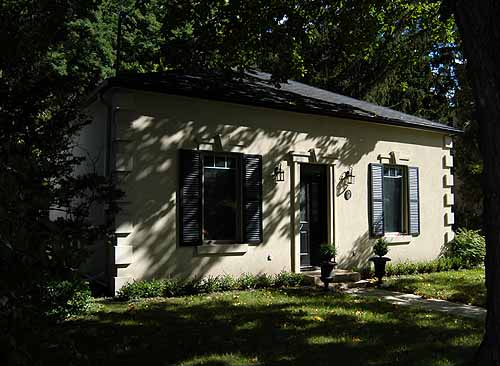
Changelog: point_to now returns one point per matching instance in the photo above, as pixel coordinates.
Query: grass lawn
(265, 327)
(465, 286)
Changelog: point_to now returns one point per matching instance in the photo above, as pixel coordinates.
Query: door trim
(313, 211)
(294, 160)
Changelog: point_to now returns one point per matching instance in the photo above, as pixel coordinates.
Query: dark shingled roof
(256, 88)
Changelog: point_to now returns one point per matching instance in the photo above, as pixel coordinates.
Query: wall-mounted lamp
(349, 177)
(279, 174)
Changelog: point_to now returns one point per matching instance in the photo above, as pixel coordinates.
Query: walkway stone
(398, 298)
(339, 276)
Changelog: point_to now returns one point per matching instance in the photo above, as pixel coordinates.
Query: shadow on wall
(359, 254)
(151, 186)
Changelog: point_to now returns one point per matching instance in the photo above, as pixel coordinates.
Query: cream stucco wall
(151, 127)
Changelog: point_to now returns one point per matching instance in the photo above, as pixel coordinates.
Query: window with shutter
(394, 200)
(190, 197)
(377, 199)
(220, 197)
(413, 201)
(252, 197)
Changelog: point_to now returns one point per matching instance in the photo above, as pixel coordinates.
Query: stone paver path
(402, 299)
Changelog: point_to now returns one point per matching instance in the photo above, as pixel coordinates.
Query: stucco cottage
(230, 176)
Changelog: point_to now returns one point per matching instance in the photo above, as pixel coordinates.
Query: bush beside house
(174, 288)
(465, 251)
(468, 246)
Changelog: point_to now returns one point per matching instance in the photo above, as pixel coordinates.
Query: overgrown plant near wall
(465, 251)
(407, 268)
(437, 265)
(468, 246)
(172, 288)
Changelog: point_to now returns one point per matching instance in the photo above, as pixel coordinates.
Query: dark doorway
(313, 213)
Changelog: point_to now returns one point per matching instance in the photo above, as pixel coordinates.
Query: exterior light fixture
(279, 174)
(349, 177)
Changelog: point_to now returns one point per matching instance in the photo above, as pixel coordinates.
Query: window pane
(220, 161)
(231, 162)
(208, 161)
(393, 194)
(393, 171)
(220, 203)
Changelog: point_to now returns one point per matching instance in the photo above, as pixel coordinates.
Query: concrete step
(339, 276)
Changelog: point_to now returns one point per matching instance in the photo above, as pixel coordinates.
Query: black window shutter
(252, 199)
(190, 197)
(377, 199)
(413, 201)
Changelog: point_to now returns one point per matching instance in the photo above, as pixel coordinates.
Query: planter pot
(379, 263)
(327, 268)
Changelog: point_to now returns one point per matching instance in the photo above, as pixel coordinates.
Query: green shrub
(289, 279)
(404, 268)
(327, 251)
(447, 264)
(468, 246)
(408, 268)
(170, 288)
(438, 265)
(227, 283)
(217, 284)
(381, 247)
(246, 281)
(264, 281)
(61, 299)
(190, 287)
(143, 289)
(210, 284)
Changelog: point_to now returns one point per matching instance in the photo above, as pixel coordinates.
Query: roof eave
(116, 82)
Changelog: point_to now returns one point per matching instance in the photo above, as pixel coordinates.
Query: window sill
(222, 249)
(398, 238)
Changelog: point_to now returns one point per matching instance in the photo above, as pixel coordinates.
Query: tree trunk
(479, 25)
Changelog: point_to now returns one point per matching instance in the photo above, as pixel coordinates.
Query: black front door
(313, 220)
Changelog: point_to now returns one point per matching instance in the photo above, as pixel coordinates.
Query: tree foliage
(52, 56)
(400, 54)
(395, 53)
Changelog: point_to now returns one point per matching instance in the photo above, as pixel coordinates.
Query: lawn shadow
(299, 327)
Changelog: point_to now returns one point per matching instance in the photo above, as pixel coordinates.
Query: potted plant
(380, 249)
(328, 252)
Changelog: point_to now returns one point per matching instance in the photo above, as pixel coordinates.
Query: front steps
(339, 276)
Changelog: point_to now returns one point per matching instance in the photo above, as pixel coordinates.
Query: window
(394, 202)
(394, 199)
(221, 197)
